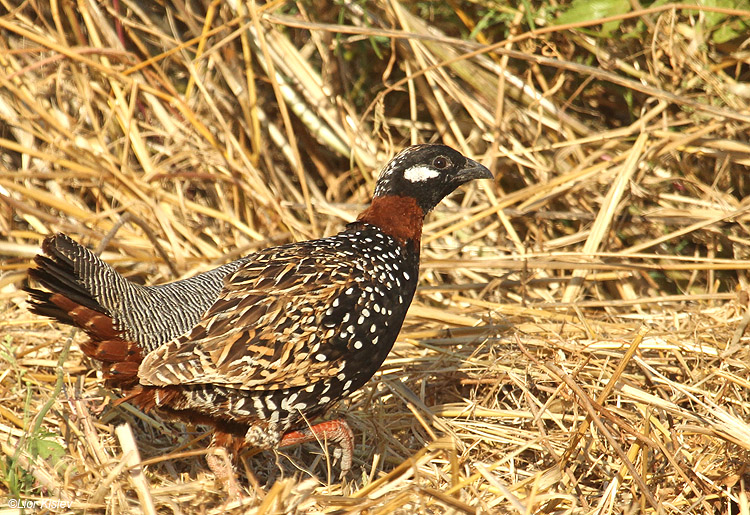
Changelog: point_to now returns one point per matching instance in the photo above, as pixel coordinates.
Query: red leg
(334, 431)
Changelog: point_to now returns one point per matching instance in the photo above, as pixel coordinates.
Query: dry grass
(578, 341)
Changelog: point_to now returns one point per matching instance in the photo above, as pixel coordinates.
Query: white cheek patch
(420, 173)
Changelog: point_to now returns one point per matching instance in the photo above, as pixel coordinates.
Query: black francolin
(260, 346)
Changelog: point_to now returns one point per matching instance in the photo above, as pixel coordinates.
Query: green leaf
(50, 450)
(730, 31)
(46, 449)
(722, 27)
(585, 10)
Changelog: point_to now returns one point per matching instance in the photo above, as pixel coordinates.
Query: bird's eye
(440, 162)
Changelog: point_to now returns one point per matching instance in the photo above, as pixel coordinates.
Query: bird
(260, 347)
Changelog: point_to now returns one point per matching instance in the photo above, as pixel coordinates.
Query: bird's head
(427, 173)
(413, 183)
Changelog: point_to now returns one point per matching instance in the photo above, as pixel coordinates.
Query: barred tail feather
(125, 321)
(65, 296)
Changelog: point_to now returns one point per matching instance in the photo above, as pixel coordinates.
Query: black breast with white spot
(362, 322)
(366, 316)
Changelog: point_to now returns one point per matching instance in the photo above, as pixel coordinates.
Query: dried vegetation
(578, 341)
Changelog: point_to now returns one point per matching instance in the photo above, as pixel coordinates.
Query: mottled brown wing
(272, 327)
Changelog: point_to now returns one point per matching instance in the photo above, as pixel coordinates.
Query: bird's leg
(334, 431)
(220, 463)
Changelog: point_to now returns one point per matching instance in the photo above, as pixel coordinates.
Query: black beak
(473, 170)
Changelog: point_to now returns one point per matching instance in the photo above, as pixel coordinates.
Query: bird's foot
(221, 465)
(333, 431)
